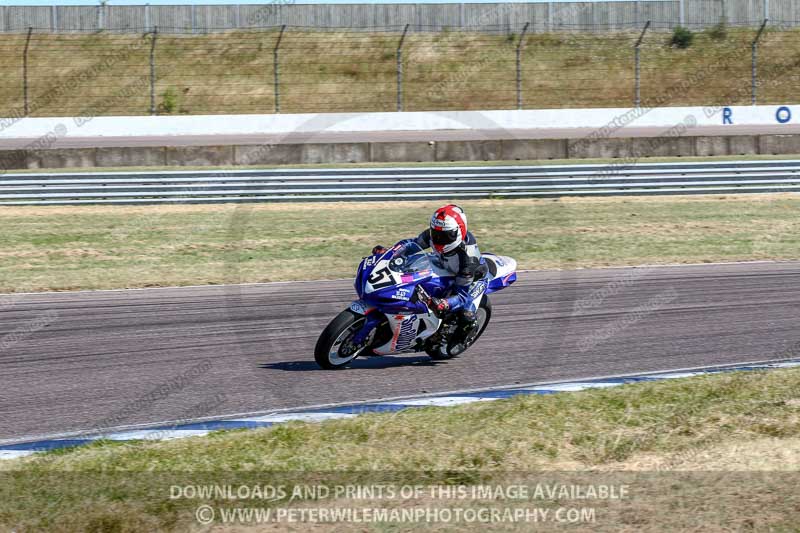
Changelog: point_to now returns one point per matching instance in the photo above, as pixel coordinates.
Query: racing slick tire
(333, 350)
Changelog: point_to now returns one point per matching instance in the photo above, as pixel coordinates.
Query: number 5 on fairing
(381, 278)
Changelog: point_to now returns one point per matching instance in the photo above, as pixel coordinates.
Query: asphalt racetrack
(81, 361)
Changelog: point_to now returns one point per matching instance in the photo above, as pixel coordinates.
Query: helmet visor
(444, 237)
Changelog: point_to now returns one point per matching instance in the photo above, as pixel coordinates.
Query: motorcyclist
(459, 254)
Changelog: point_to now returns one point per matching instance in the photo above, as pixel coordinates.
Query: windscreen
(413, 259)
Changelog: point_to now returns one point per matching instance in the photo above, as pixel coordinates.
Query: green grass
(62, 248)
(339, 71)
(646, 435)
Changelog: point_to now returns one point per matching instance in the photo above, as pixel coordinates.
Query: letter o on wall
(783, 114)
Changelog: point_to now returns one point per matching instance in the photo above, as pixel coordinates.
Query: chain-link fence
(287, 69)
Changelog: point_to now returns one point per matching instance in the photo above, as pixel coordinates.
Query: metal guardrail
(428, 183)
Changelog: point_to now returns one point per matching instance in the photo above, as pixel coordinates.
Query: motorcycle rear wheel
(441, 353)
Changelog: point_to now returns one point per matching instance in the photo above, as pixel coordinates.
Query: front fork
(373, 321)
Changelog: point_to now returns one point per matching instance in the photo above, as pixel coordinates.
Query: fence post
(766, 9)
(637, 99)
(400, 69)
(153, 71)
(682, 12)
(146, 17)
(53, 18)
(276, 70)
(754, 64)
(25, 105)
(519, 64)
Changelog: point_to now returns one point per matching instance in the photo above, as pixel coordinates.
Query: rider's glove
(379, 250)
(439, 306)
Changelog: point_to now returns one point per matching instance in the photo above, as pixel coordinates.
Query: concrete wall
(501, 150)
(543, 15)
(303, 127)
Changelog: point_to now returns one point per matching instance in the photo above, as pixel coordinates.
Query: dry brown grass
(355, 71)
(102, 247)
(759, 455)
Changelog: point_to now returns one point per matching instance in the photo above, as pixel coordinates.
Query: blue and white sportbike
(390, 317)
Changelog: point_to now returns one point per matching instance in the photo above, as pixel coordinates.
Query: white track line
(265, 415)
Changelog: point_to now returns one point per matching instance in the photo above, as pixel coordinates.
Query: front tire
(334, 350)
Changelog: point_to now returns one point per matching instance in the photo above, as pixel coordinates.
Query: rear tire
(332, 351)
(436, 352)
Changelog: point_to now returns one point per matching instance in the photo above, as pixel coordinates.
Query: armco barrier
(400, 183)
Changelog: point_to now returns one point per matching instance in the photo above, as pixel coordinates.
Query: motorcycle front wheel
(334, 349)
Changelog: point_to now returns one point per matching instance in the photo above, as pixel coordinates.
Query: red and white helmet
(448, 228)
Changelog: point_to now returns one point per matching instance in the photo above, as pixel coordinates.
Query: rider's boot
(467, 325)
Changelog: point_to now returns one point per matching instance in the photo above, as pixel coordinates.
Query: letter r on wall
(727, 114)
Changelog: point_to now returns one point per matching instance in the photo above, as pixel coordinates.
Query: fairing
(386, 285)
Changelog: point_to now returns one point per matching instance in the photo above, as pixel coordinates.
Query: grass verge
(719, 452)
(63, 248)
